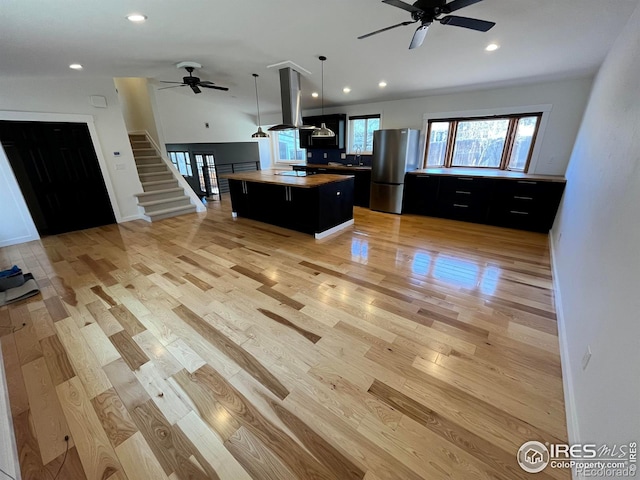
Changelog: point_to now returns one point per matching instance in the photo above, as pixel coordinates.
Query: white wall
(136, 106)
(182, 116)
(567, 99)
(60, 99)
(596, 242)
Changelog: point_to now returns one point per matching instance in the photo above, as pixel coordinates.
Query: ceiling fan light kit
(323, 131)
(259, 133)
(428, 11)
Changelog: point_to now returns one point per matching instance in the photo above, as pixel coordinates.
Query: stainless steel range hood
(290, 95)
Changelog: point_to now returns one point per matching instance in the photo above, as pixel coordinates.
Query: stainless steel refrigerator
(395, 152)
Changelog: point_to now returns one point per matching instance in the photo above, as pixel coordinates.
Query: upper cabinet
(336, 122)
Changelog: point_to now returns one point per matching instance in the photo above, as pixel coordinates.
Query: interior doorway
(206, 167)
(58, 172)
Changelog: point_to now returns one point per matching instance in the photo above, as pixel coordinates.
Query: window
(182, 162)
(361, 130)
(286, 146)
(500, 142)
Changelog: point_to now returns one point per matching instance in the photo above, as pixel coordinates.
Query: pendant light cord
(255, 79)
(322, 59)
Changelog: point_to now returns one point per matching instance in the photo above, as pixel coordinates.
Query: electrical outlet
(206, 125)
(343, 156)
(116, 154)
(309, 155)
(120, 166)
(586, 357)
(325, 155)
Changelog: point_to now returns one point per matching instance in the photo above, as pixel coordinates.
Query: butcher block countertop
(487, 173)
(275, 177)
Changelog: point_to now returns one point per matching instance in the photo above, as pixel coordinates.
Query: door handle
(522, 198)
(463, 192)
(518, 213)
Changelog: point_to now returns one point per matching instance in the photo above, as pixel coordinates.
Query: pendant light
(259, 133)
(323, 131)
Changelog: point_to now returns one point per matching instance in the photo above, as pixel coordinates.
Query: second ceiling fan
(428, 11)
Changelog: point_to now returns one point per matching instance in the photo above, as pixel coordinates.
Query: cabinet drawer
(464, 185)
(461, 210)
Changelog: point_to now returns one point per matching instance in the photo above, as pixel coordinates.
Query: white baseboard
(17, 240)
(573, 430)
(130, 218)
(8, 453)
(337, 228)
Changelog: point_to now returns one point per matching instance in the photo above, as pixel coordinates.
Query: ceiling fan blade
(418, 36)
(164, 81)
(215, 87)
(205, 82)
(173, 86)
(385, 29)
(472, 23)
(195, 89)
(457, 5)
(404, 6)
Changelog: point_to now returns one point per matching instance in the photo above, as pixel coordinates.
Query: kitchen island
(316, 204)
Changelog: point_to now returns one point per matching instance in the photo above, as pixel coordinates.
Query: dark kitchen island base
(319, 205)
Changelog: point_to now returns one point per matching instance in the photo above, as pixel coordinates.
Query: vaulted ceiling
(539, 40)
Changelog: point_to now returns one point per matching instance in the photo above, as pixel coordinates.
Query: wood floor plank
(56, 309)
(233, 351)
(114, 417)
(57, 359)
(312, 337)
(96, 454)
(49, 422)
(137, 459)
(81, 357)
(160, 436)
(125, 383)
(130, 351)
(99, 344)
(127, 319)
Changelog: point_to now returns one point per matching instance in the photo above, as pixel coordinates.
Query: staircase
(163, 197)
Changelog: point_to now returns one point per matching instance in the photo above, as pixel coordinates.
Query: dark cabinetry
(336, 122)
(309, 210)
(362, 181)
(506, 202)
(526, 204)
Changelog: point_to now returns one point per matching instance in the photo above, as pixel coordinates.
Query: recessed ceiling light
(346, 89)
(491, 47)
(136, 17)
(382, 84)
(75, 66)
(315, 95)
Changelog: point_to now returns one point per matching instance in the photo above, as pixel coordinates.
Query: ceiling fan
(428, 11)
(191, 81)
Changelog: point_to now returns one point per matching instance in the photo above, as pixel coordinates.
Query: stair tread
(159, 192)
(152, 165)
(171, 210)
(163, 200)
(167, 172)
(158, 182)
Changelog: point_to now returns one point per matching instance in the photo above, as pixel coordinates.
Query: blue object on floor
(15, 270)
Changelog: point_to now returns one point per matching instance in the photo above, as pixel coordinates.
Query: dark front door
(59, 175)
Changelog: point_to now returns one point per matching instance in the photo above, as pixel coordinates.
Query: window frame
(275, 148)
(366, 118)
(510, 137)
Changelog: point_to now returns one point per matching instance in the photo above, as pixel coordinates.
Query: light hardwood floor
(203, 347)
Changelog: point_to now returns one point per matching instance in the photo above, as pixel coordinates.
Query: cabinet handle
(463, 192)
(322, 169)
(423, 176)
(459, 205)
(466, 179)
(244, 187)
(519, 213)
(527, 182)
(522, 198)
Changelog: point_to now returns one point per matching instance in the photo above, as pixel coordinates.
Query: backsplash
(317, 156)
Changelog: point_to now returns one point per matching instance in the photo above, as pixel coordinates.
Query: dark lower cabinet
(362, 181)
(521, 204)
(421, 194)
(309, 210)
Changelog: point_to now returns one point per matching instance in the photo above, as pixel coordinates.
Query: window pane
(188, 164)
(522, 145)
(358, 127)
(288, 146)
(182, 165)
(373, 124)
(438, 137)
(479, 143)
